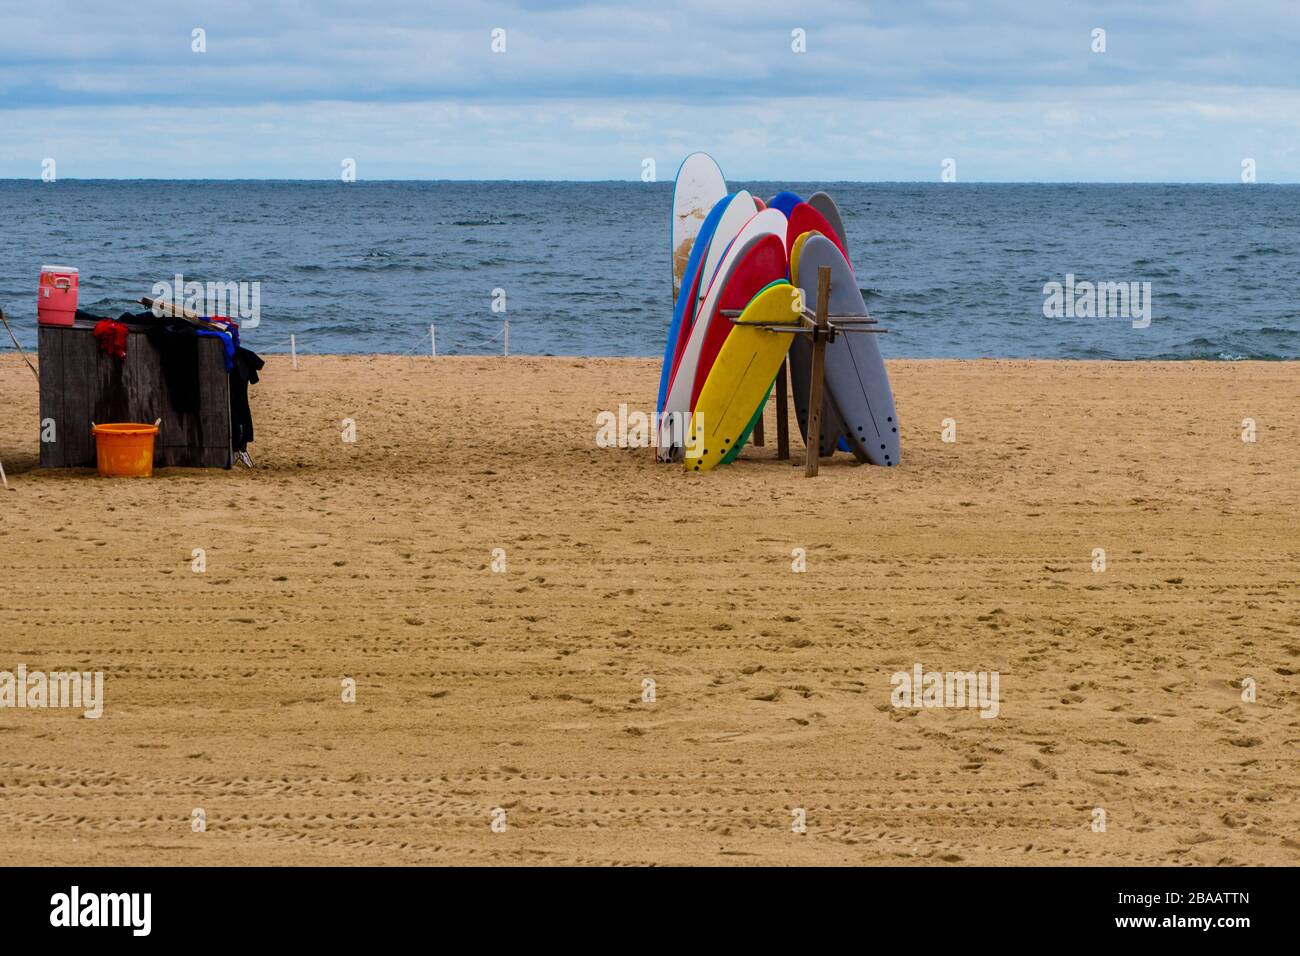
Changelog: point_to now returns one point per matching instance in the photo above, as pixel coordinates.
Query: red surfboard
(804, 218)
(761, 265)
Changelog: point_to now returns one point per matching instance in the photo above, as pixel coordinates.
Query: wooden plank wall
(80, 385)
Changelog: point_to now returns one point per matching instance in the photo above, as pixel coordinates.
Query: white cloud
(586, 90)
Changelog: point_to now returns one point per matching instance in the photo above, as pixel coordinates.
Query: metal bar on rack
(808, 327)
(805, 313)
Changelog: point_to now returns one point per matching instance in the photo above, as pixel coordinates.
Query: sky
(1007, 90)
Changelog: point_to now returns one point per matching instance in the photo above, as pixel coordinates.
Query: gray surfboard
(855, 371)
(801, 371)
(800, 379)
(825, 205)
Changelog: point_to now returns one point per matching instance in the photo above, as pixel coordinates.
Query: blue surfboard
(784, 201)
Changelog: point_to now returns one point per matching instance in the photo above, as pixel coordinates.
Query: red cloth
(112, 337)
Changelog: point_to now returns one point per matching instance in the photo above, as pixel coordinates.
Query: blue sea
(951, 270)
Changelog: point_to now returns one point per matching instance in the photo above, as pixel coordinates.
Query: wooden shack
(80, 384)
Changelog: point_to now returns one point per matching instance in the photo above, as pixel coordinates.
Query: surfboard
(761, 264)
(804, 218)
(796, 248)
(739, 444)
(832, 426)
(687, 297)
(698, 188)
(678, 403)
(855, 370)
(741, 377)
(825, 205)
(784, 201)
(739, 211)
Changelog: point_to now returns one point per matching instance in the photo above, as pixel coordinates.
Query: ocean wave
(957, 277)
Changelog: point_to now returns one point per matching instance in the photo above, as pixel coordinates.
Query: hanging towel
(178, 346)
(247, 365)
(111, 337)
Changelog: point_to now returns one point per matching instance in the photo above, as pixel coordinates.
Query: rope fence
(430, 337)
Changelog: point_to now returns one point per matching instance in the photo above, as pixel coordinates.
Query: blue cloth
(226, 340)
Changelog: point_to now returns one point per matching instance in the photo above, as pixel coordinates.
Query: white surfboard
(739, 211)
(699, 186)
(767, 222)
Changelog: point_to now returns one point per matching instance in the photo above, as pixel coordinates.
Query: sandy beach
(524, 689)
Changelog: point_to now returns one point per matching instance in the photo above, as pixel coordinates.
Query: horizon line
(637, 182)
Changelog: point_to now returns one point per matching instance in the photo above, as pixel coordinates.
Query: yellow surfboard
(796, 251)
(740, 377)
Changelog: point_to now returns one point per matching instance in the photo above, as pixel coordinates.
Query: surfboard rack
(835, 324)
(821, 326)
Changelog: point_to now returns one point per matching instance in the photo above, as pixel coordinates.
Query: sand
(523, 690)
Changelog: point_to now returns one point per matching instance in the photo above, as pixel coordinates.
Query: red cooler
(56, 302)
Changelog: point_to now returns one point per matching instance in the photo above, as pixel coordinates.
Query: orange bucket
(125, 450)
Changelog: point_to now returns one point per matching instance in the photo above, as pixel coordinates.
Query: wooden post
(758, 429)
(782, 417)
(813, 458)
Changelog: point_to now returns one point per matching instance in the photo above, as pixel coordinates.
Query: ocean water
(951, 270)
